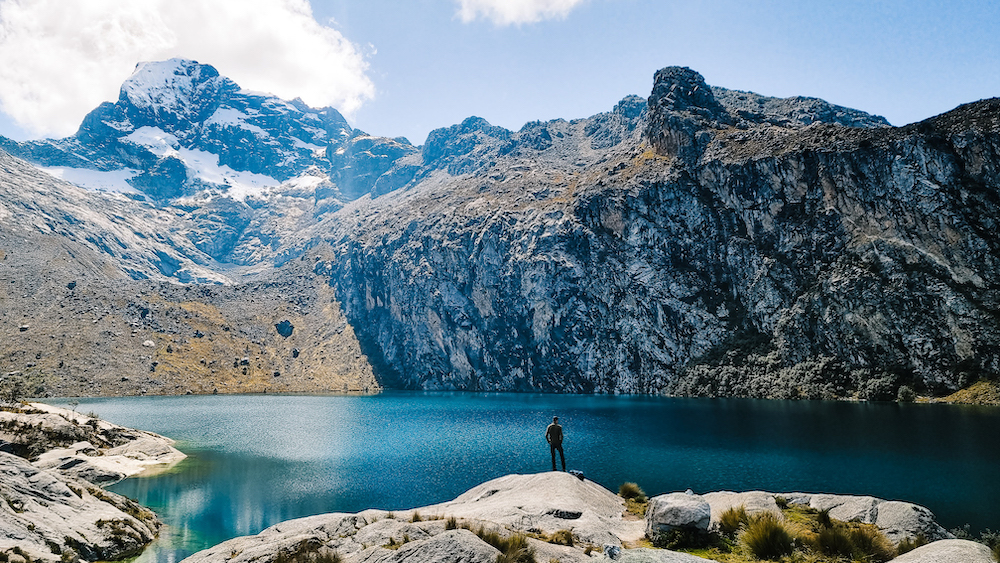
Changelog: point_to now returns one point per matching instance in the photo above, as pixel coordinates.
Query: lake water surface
(256, 460)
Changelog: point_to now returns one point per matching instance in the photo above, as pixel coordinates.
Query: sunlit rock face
(701, 241)
(707, 242)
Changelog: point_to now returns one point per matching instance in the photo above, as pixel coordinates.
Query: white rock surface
(52, 504)
(898, 520)
(547, 502)
(646, 555)
(137, 451)
(948, 551)
(677, 510)
(454, 546)
(534, 504)
(44, 510)
(901, 520)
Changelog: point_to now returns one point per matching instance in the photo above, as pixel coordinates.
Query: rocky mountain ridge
(702, 241)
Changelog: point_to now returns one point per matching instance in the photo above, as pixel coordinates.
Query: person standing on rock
(554, 436)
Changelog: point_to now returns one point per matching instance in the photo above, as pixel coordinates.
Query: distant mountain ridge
(703, 241)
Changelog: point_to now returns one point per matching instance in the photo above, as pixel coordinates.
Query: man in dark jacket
(554, 436)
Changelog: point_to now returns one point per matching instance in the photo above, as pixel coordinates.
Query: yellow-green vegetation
(308, 551)
(979, 393)
(513, 548)
(631, 491)
(562, 537)
(732, 520)
(636, 501)
(766, 537)
(798, 534)
(909, 544)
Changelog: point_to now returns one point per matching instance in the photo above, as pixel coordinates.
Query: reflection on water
(257, 460)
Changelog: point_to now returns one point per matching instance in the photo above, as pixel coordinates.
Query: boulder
(677, 511)
(901, 520)
(848, 508)
(948, 551)
(76, 461)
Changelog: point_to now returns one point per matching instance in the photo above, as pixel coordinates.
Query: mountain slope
(86, 308)
(703, 241)
(702, 250)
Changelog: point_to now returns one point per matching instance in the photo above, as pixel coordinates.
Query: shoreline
(56, 507)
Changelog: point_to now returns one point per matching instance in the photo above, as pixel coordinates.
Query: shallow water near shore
(256, 460)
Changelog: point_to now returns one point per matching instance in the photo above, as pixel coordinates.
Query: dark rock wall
(712, 254)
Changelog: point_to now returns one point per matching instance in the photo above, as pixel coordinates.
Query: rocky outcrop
(52, 509)
(46, 514)
(701, 241)
(543, 508)
(799, 250)
(546, 503)
(677, 511)
(948, 551)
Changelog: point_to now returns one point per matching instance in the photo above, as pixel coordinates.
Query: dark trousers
(562, 456)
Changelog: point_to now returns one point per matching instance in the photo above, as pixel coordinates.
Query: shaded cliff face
(712, 243)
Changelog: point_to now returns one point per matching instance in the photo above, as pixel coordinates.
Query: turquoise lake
(256, 460)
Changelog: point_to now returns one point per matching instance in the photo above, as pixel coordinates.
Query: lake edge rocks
(55, 506)
(539, 506)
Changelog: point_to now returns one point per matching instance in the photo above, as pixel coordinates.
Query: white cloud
(59, 59)
(507, 12)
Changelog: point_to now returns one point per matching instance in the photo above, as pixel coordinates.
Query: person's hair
(555, 418)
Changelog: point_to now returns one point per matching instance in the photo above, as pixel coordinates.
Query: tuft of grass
(562, 537)
(781, 501)
(909, 544)
(632, 491)
(451, 523)
(823, 518)
(416, 517)
(766, 537)
(513, 548)
(732, 520)
(870, 544)
(834, 541)
(308, 552)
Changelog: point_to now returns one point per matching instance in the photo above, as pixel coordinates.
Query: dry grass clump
(632, 491)
(766, 537)
(513, 548)
(562, 537)
(732, 520)
(308, 551)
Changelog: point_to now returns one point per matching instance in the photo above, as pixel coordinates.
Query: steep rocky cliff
(705, 242)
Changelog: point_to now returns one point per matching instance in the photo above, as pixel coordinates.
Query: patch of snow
(125, 125)
(205, 166)
(316, 131)
(158, 141)
(230, 117)
(304, 181)
(300, 144)
(254, 93)
(160, 84)
(95, 180)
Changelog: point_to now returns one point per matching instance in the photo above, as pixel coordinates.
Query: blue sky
(415, 65)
